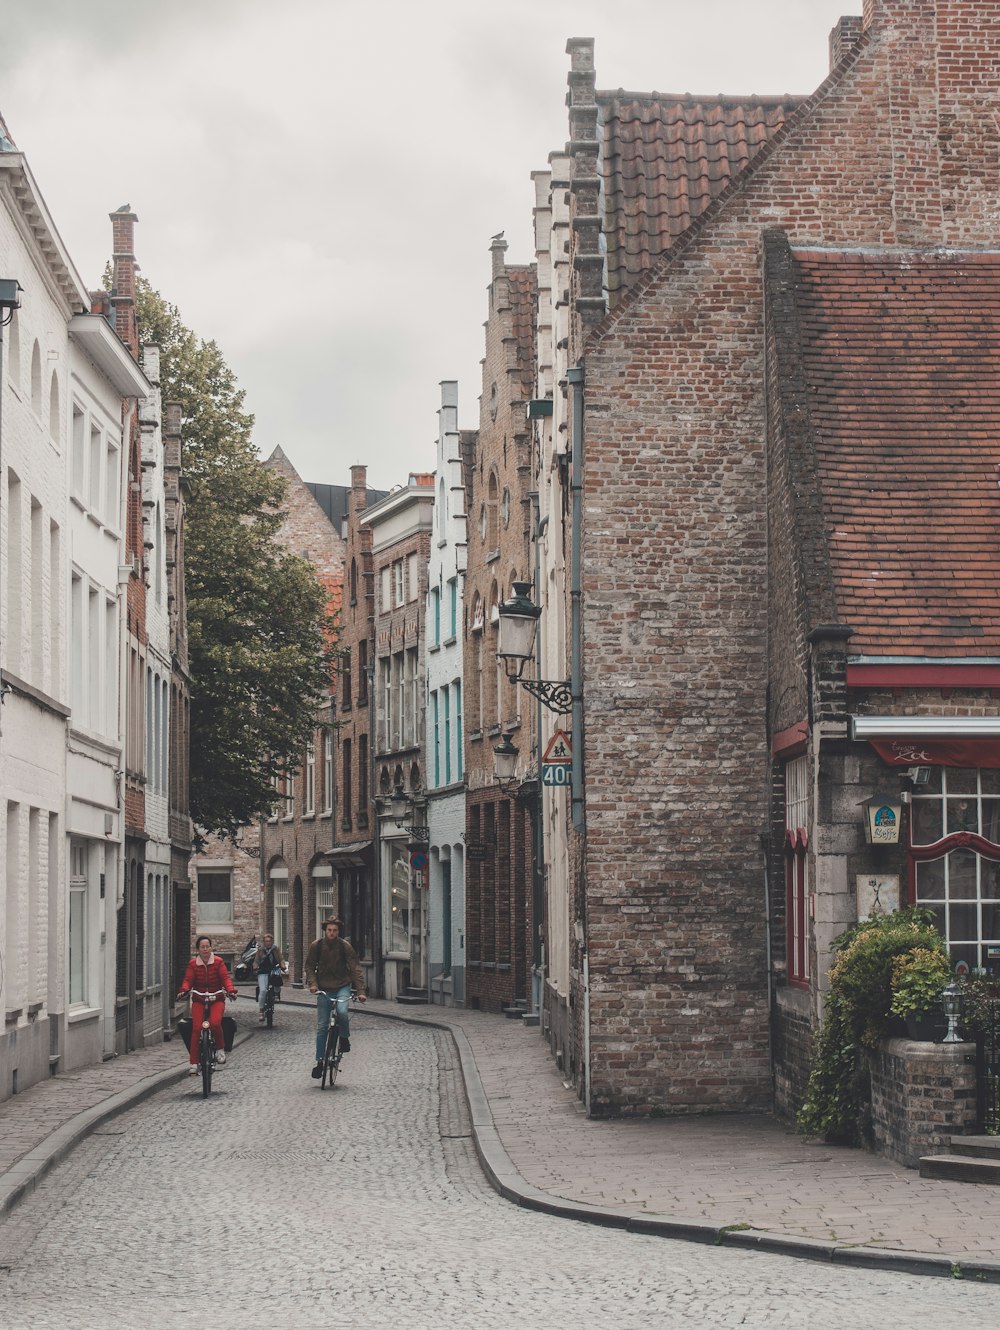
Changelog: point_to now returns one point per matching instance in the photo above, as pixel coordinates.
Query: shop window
(955, 860)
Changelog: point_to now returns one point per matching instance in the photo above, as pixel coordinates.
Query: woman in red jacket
(206, 973)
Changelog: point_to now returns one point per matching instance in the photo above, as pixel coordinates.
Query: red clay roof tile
(901, 354)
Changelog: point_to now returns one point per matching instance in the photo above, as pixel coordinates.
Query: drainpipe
(538, 874)
(575, 380)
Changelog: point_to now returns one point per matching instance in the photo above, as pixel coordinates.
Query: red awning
(983, 752)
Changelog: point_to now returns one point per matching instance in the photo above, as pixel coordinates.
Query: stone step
(961, 1168)
(979, 1147)
(514, 1013)
(412, 996)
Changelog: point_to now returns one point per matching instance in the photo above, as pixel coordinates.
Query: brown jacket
(331, 965)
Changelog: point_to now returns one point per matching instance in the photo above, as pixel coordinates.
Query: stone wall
(922, 1094)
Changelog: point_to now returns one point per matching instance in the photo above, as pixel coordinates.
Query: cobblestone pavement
(276, 1202)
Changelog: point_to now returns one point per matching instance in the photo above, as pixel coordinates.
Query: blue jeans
(261, 990)
(324, 1000)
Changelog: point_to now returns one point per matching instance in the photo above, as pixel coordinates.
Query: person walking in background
(332, 970)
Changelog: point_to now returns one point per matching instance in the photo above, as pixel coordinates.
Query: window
(94, 478)
(363, 779)
(362, 672)
(289, 794)
(78, 923)
(435, 738)
(280, 928)
(111, 485)
(386, 580)
(215, 896)
(309, 793)
(79, 450)
(505, 507)
(346, 788)
(346, 684)
(398, 589)
(453, 607)
(36, 380)
(54, 409)
(492, 515)
(955, 859)
(326, 900)
(412, 577)
(459, 738)
(411, 702)
(446, 740)
(796, 887)
(327, 772)
(354, 582)
(435, 616)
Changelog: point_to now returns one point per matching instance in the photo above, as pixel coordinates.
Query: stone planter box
(922, 1094)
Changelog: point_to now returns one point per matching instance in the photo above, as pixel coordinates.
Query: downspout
(765, 847)
(538, 876)
(575, 379)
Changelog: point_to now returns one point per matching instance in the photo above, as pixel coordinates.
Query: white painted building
(157, 893)
(62, 379)
(444, 715)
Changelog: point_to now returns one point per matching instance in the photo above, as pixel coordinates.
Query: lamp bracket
(555, 694)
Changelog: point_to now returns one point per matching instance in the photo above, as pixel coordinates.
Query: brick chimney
(123, 282)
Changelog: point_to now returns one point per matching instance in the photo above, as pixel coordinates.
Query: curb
(24, 1176)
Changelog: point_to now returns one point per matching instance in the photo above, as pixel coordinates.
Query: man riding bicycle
(268, 958)
(332, 970)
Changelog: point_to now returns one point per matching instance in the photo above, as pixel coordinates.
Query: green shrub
(888, 966)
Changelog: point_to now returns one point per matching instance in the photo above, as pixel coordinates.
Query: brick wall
(675, 581)
(922, 1094)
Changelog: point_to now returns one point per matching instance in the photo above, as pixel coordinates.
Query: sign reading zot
(557, 760)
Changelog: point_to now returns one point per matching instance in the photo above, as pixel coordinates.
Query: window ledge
(78, 1014)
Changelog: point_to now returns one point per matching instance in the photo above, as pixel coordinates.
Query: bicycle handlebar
(219, 993)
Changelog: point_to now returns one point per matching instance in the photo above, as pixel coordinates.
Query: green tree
(261, 641)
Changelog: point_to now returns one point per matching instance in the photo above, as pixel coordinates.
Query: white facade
(445, 709)
(552, 574)
(62, 380)
(157, 892)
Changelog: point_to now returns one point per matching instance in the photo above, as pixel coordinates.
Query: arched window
(36, 379)
(54, 408)
(14, 351)
(354, 581)
(492, 513)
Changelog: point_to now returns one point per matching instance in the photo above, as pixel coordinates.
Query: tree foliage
(261, 641)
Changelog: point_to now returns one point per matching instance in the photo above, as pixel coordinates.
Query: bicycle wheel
(269, 1007)
(207, 1058)
(331, 1058)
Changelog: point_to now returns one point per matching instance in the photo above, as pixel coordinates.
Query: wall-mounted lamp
(882, 819)
(518, 623)
(505, 757)
(9, 298)
(919, 775)
(398, 806)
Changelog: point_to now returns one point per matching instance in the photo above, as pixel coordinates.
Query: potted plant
(918, 979)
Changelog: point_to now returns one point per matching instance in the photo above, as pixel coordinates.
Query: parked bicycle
(332, 1052)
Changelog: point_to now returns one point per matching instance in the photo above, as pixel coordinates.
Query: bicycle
(331, 1051)
(206, 1048)
(271, 993)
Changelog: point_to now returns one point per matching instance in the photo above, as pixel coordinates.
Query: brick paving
(746, 1178)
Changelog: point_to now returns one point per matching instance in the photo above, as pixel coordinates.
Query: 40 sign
(557, 760)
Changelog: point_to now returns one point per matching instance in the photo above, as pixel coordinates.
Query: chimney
(123, 283)
(844, 37)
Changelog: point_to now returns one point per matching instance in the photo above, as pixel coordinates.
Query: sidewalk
(740, 1181)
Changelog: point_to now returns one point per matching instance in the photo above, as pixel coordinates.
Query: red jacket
(207, 978)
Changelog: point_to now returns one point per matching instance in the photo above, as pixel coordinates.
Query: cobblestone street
(279, 1203)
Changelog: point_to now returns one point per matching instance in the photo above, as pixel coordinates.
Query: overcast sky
(317, 181)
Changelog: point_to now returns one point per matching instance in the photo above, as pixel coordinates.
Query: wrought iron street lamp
(505, 757)
(515, 644)
(399, 805)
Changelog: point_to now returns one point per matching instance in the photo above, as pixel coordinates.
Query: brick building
(500, 822)
(296, 876)
(753, 626)
(400, 527)
(349, 751)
